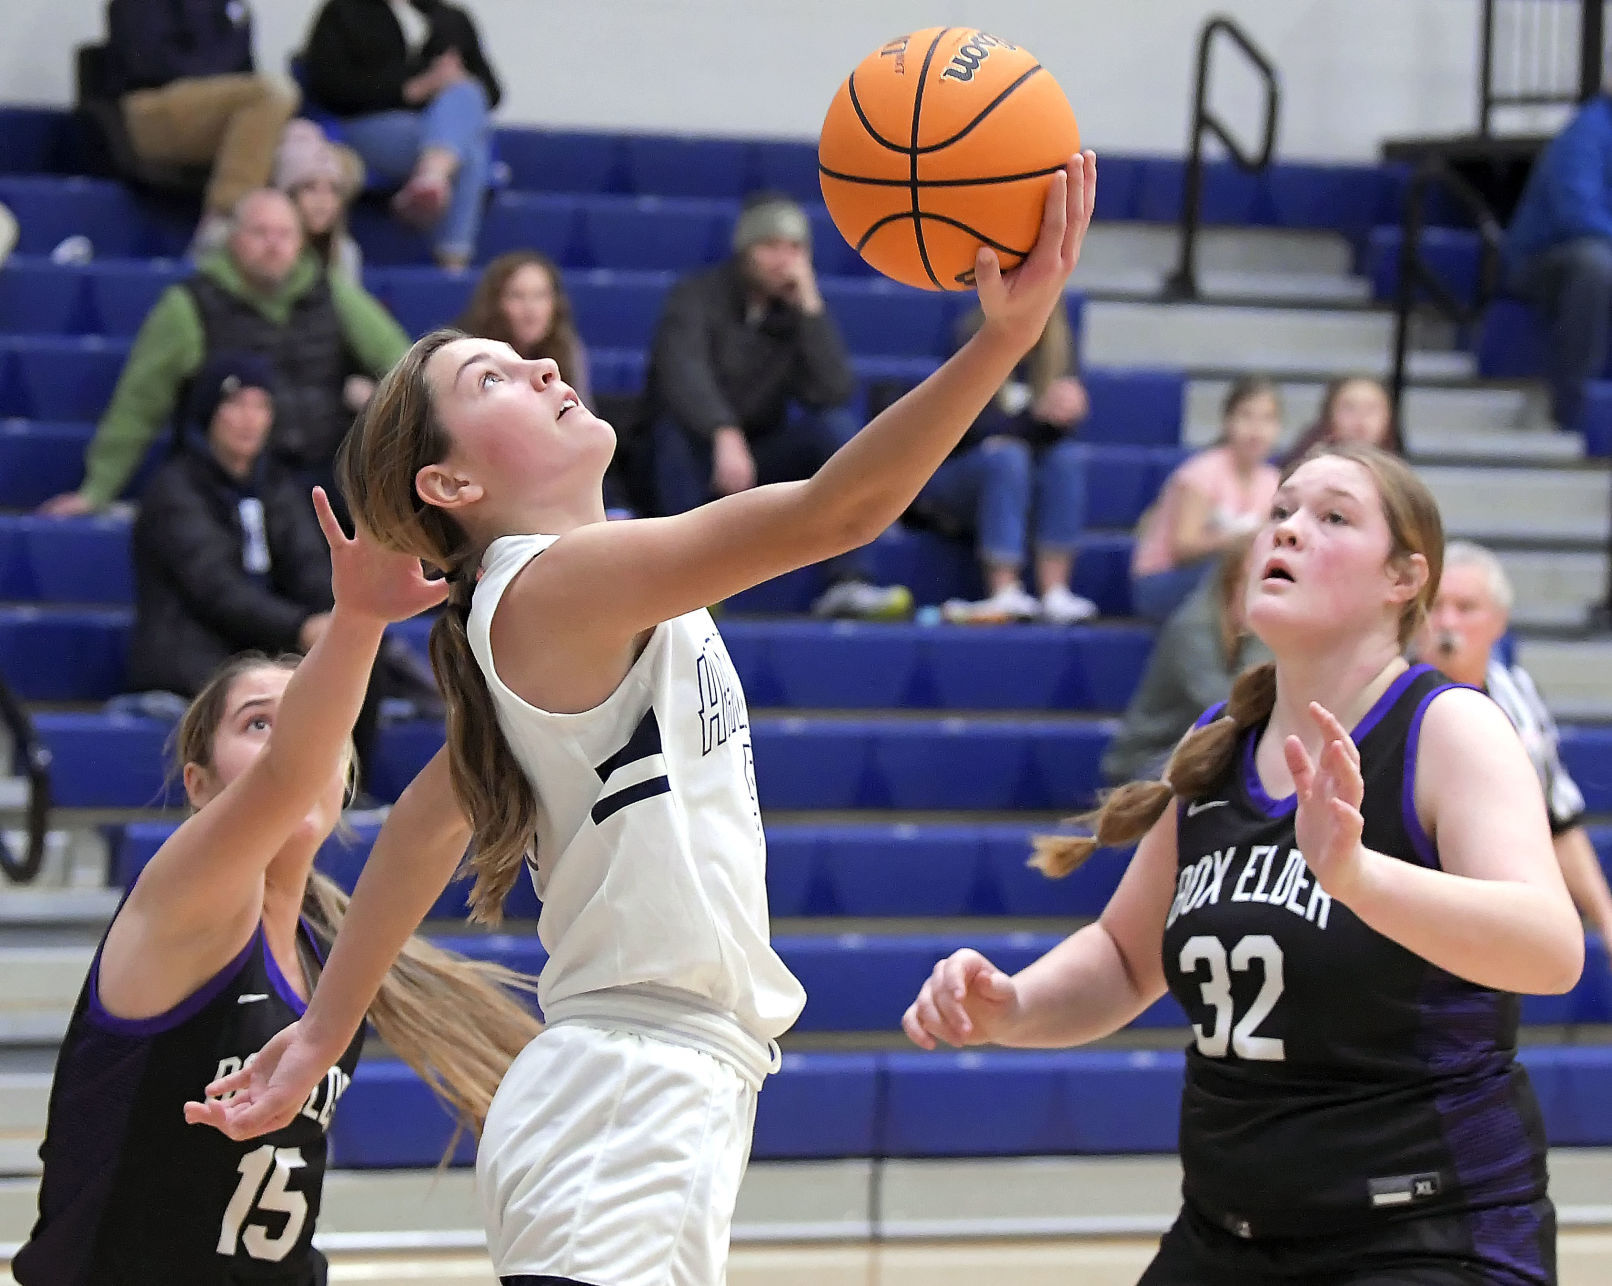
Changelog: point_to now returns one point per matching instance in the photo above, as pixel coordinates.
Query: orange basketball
(939, 143)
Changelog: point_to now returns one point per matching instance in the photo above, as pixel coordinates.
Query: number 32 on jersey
(1228, 1033)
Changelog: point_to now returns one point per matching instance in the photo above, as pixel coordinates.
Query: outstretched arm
(414, 857)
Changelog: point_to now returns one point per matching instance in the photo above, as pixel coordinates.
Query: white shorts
(614, 1159)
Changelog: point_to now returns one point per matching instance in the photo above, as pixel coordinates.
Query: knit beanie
(305, 154)
(770, 215)
(223, 376)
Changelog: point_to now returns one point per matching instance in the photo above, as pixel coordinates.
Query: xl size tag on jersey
(1403, 1189)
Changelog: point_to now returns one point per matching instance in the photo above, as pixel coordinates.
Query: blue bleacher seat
(388, 1119)
(121, 294)
(39, 298)
(1022, 890)
(1512, 341)
(63, 655)
(60, 379)
(1349, 198)
(1122, 481)
(649, 232)
(50, 209)
(788, 166)
(1452, 255)
(1230, 194)
(545, 221)
(819, 1105)
(617, 370)
(561, 161)
(903, 870)
(40, 459)
(384, 239)
(1587, 753)
(845, 665)
(618, 309)
(1134, 407)
(810, 763)
(39, 140)
(1120, 188)
(16, 572)
(674, 165)
(107, 761)
(832, 254)
(792, 865)
(79, 560)
(422, 298)
(878, 316)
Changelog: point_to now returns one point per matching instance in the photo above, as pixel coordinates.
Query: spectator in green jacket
(264, 292)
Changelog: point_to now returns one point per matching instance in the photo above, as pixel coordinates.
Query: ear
(1407, 574)
(443, 487)
(198, 784)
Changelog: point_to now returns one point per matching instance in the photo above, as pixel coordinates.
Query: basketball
(938, 143)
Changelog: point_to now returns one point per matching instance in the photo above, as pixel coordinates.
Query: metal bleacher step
(1203, 337)
(1153, 248)
(1574, 675)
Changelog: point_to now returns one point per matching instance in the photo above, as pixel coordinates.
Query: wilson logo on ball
(966, 61)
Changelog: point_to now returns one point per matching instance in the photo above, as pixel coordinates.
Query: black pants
(1505, 1246)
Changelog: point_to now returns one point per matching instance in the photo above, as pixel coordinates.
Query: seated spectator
(413, 91)
(1469, 618)
(1356, 408)
(1020, 470)
(326, 338)
(227, 552)
(315, 174)
(749, 382)
(1558, 253)
(520, 300)
(1212, 500)
(184, 77)
(1202, 648)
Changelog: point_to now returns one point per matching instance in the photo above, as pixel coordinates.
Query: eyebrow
(469, 362)
(250, 703)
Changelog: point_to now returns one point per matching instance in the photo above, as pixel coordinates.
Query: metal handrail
(1418, 283)
(1183, 282)
(34, 757)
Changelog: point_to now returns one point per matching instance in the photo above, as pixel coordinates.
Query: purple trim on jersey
(1275, 808)
(1420, 840)
(1210, 715)
(281, 985)
(185, 1010)
(1513, 1236)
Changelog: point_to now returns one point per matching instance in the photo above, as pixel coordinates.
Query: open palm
(370, 580)
(1328, 824)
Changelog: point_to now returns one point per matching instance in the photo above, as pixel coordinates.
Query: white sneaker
(1060, 605)
(1004, 607)
(858, 600)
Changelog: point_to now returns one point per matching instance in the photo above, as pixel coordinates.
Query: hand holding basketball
(1328, 824)
(1026, 295)
(966, 1001)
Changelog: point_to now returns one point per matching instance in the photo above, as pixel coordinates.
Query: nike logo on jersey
(247, 997)
(1194, 809)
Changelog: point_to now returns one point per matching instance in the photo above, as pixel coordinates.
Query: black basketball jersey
(131, 1194)
(1336, 1079)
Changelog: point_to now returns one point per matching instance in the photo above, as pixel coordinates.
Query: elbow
(1563, 965)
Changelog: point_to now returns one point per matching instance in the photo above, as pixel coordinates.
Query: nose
(545, 370)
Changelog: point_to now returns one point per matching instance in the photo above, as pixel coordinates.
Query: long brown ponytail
(458, 1023)
(455, 1021)
(1128, 813)
(397, 435)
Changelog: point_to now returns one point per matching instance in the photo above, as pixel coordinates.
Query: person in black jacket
(749, 382)
(182, 72)
(413, 90)
(228, 555)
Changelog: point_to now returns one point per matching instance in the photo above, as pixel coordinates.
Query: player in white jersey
(593, 710)
(1469, 618)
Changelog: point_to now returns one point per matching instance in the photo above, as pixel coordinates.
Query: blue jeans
(1571, 284)
(790, 453)
(456, 119)
(1156, 596)
(996, 487)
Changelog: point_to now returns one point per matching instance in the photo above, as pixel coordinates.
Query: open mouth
(1278, 571)
(570, 404)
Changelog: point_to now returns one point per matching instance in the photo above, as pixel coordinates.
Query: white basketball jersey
(651, 861)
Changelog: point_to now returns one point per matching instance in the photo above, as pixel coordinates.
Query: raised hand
(268, 1092)
(966, 1001)
(1328, 823)
(1025, 296)
(369, 580)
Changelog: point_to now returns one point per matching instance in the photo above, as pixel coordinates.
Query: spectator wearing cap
(227, 553)
(321, 179)
(326, 338)
(749, 382)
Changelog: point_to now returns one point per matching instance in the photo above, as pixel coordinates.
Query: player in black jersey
(212, 952)
(1346, 917)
